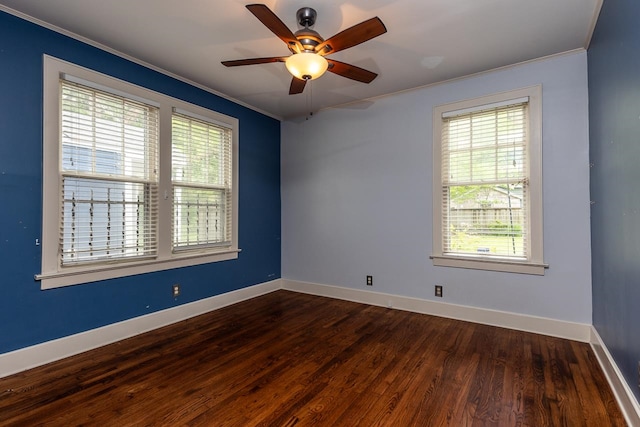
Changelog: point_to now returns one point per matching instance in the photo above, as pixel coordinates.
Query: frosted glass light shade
(306, 65)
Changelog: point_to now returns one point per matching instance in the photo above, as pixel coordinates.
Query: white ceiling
(428, 41)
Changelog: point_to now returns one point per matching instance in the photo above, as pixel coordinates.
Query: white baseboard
(624, 396)
(40, 354)
(539, 325)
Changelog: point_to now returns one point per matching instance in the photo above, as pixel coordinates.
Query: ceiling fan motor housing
(309, 39)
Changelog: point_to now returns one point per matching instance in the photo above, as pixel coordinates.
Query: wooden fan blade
(277, 27)
(297, 86)
(351, 71)
(253, 61)
(352, 36)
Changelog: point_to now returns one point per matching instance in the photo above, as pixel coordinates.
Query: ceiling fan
(309, 49)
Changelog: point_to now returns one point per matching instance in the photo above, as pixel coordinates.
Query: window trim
(53, 275)
(535, 264)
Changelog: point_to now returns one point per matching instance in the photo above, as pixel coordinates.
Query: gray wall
(614, 108)
(356, 196)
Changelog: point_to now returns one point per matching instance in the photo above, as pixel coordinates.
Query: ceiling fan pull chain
(310, 101)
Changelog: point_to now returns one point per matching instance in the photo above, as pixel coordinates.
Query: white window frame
(534, 264)
(55, 275)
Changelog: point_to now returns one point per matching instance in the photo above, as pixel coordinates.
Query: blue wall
(29, 315)
(614, 117)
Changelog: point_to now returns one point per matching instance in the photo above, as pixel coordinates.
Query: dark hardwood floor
(289, 359)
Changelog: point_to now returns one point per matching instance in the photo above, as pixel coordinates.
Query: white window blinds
(109, 156)
(202, 183)
(485, 181)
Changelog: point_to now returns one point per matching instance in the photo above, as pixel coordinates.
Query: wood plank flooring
(289, 359)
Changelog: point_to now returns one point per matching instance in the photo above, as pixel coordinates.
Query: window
(122, 164)
(487, 194)
(109, 176)
(201, 178)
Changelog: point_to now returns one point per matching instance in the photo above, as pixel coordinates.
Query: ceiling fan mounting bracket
(306, 17)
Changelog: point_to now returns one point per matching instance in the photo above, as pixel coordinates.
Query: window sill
(93, 273)
(490, 264)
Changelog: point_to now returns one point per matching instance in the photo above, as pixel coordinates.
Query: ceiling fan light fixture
(306, 65)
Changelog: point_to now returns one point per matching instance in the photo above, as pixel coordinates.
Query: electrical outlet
(369, 280)
(439, 291)
(176, 290)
